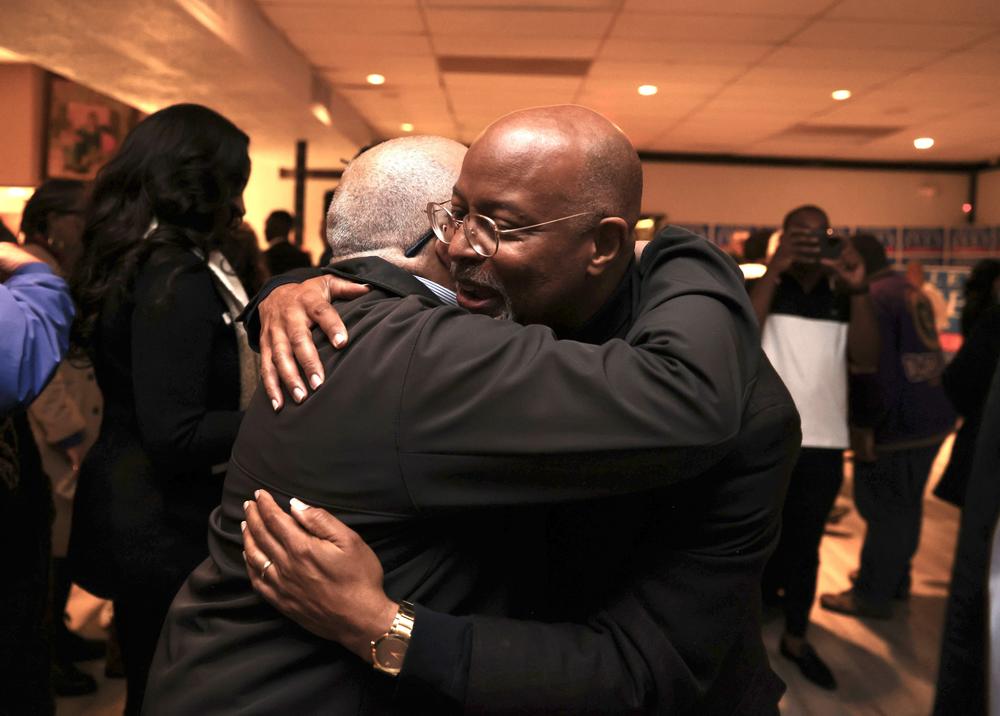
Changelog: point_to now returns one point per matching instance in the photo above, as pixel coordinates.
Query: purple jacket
(906, 402)
(35, 317)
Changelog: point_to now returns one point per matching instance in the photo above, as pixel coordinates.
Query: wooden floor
(883, 667)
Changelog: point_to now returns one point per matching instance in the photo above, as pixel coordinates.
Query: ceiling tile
(341, 18)
(324, 48)
(524, 23)
(974, 63)
(971, 11)
(855, 34)
(706, 29)
(784, 8)
(631, 50)
(840, 59)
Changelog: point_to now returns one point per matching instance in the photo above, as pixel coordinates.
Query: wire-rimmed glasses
(480, 231)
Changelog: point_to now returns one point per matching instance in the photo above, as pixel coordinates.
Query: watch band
(402, 623)
(400, 631)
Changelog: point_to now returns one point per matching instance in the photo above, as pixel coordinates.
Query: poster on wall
(887, 235)
(969, 244)
(83, 129)
(924, 243)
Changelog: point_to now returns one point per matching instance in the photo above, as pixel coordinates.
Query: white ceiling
(733, 74)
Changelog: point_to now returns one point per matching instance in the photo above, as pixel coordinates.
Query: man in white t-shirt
(817, 322)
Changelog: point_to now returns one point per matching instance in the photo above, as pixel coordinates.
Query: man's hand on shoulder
(316, 571)
(287, 317)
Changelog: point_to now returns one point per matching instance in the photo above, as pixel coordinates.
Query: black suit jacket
(438, 431)
(167, 364)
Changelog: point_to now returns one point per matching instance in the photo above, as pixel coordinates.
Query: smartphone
(830, 245)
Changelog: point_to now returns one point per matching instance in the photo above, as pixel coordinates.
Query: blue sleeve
(35, 317)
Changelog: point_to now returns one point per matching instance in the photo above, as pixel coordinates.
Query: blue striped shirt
(445, 295)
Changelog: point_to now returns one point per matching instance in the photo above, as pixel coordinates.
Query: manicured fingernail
(275, 404)
(246, 505)
(256, 494)
(243, 526)
(298, 505)
(339, 339)
(245, 558)
(315, 381)
(299, 394)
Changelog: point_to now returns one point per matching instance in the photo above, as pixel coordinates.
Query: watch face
(389, 653)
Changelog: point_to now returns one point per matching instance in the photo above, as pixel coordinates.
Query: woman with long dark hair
(157, 303)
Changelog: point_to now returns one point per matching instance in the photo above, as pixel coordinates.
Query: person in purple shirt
(35, 316)
(901, 415)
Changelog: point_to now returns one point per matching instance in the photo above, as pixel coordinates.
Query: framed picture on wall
(83, 128)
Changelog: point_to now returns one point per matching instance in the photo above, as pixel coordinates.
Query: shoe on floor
(67, 680)
(902, 591)
(811, 666)
(851, 603)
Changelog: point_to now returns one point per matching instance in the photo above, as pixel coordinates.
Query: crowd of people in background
(115, 436)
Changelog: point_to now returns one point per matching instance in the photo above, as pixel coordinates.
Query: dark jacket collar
(613, 319)
(378, 272)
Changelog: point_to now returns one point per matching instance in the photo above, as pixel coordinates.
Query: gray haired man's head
(380, 204)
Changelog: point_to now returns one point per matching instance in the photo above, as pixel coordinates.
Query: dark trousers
(793, 567)
(139, 617)
(26, 536)
(889, 494)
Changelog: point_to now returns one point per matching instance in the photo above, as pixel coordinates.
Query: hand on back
(287, 317)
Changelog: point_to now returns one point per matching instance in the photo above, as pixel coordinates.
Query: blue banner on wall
(888, 236)
(969, 244)
(925, 243)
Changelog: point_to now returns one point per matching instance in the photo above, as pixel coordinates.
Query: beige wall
(762, 195)
(267, 191)
(22, 88)
(988, 209)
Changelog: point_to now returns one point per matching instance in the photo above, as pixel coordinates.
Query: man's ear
(613, 239)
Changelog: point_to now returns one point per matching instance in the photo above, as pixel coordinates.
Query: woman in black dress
(157, 303)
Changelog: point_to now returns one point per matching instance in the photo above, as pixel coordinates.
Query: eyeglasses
(417, 246)
(480, 231)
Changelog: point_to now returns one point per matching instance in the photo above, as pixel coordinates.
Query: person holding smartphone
(817, 324)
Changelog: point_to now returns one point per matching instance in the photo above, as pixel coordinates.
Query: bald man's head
(561, 187)
(606, 174)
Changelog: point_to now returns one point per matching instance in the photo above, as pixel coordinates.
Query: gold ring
(263, 569)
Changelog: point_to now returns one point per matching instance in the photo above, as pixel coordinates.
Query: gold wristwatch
(389, 650)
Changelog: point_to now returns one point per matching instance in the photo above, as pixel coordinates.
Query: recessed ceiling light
(321, 113)
(923, 142)
(406, 127)
(375, 79)
(841, 95)
(648, 90)
(646, 223)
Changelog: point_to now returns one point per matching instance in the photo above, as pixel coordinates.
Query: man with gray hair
(440, 433)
